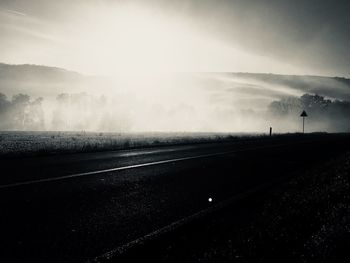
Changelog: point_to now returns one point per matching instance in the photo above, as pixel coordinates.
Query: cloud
(12, 12)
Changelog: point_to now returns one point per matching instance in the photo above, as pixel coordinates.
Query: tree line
(21, 113)
(331, 115)
(67, 112)
(82, 111)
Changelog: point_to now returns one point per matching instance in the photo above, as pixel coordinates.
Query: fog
(129, 65)
(169, 102)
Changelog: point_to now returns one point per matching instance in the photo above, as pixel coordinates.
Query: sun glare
(129, 40)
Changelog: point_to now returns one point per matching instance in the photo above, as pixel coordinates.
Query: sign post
(303, 114)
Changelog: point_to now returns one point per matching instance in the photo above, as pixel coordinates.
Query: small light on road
(210, 199)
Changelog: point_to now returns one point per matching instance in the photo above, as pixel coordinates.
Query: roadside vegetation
(45, 143)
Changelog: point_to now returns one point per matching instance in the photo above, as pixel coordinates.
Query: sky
(106, 37)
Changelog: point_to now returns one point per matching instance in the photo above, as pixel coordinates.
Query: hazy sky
(106, 36)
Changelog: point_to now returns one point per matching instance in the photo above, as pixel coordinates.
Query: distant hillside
(35, 72)
(335, 87)
(37, 80)
(49, 81)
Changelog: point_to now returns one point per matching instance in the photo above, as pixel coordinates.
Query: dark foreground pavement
(304, 219)
(48, 217)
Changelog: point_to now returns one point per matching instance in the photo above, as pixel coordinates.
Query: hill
(37, 80)
(334, 87)
(49, 81)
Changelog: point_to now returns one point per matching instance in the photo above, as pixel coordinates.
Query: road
(69, 208)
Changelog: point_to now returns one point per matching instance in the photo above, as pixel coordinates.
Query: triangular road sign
(303, 114)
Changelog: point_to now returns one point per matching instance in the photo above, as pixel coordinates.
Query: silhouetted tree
(5, 106)
(35, 120)
(19, 110)
(21, 113)
(285, 106)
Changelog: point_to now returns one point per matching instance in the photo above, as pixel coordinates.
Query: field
(46, 143)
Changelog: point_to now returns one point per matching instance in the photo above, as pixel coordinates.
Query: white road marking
(64, 177)
(58, 178)
(129, 153)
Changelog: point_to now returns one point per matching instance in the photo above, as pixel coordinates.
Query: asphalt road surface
(74, 207)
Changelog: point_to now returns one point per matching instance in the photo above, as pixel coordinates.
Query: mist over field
(45, 98)
(155, 65)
